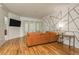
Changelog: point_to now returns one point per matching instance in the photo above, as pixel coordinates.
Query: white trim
(2, 40)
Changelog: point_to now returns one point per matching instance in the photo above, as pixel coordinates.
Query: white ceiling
(37, 10)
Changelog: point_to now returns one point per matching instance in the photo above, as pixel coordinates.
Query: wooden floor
(19, 47)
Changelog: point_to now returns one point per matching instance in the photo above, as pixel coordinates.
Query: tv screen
(15, 23)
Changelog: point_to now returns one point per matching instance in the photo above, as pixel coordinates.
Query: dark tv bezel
(16, 24)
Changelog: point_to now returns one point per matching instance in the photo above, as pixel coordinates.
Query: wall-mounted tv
(15, 23)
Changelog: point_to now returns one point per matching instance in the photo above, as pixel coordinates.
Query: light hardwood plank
(18, 46)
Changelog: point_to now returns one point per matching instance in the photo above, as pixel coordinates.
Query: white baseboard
(2, 40)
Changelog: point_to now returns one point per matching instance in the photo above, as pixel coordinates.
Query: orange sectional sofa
(35, 38)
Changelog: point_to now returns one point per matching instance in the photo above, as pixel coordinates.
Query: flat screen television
(15, 23)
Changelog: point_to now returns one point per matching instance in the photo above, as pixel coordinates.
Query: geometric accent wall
(70, 22)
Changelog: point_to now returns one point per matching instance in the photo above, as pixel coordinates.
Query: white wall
(12, 32)
(3, 13)
(59, 12)
(15, 32)
(28, 20)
